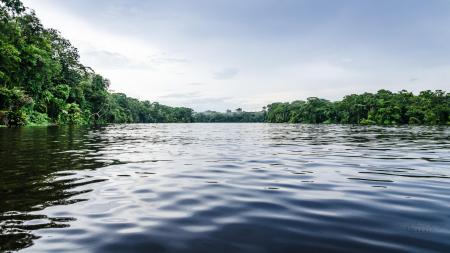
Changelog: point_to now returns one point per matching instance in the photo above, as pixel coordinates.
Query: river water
(225, 188)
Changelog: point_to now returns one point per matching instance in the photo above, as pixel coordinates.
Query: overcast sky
(219, 54)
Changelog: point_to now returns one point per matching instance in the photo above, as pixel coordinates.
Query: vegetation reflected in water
(227, 187)
(33, 162)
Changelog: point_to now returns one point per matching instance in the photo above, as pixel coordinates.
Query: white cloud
(227, 73)
(182, 57)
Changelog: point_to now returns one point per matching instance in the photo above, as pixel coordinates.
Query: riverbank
(77, 95)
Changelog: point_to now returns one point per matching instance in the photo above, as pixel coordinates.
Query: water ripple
(225, 188)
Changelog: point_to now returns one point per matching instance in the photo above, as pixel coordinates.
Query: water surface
(225, 188)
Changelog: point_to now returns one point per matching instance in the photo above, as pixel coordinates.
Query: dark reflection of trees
(32, 163)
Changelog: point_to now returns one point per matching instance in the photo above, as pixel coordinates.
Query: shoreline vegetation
(42, 82)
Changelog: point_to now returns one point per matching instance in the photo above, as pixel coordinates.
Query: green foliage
(16, 118)
(71, 114)
(39, 66)
(43, 82)
(382, 108)
(14, 98)
(238, 116)
(123, 109)
(367, 122)
(14, 102)
(37, 118)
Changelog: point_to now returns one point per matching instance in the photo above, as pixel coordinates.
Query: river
(225, 188)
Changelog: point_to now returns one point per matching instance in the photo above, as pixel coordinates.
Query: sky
(228, 54)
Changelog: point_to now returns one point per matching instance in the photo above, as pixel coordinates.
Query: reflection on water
(36, 172)
(225, 188)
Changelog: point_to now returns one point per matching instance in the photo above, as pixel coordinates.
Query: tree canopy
(42, 81)
(381, 108)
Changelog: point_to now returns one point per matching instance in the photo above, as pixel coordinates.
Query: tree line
(382, 108)
(230, 116)
(43, 82)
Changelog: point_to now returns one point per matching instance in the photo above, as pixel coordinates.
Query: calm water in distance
(225, 188)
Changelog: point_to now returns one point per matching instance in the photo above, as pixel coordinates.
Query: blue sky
(226, 54)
